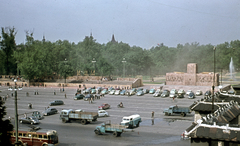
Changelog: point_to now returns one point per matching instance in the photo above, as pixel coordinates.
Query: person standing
(152, 114)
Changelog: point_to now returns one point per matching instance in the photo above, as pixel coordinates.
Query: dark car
(180, 95)
(165, 93)
(208, 93)
(50, 111)
(88, 97)
(79, 96)
(191, 95)
(29, 120)
(104, 106)
(56, 102)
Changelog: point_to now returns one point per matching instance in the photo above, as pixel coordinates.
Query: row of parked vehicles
(141, 91)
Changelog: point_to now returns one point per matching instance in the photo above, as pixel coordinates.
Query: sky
(143, 23)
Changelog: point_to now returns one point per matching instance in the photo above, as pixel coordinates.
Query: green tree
(5, 127)
(8, 46)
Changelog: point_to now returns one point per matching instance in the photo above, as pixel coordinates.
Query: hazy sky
(143, 23)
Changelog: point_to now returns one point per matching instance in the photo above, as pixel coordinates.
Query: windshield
(172, 92)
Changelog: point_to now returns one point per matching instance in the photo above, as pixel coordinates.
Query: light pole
(65, 62)
(213, 79)
(124, 61)
(94, 61)
(16, 115)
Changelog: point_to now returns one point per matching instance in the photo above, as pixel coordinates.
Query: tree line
(41, 59)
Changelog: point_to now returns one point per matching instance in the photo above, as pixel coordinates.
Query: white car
(10, 89)
(102, 113)
(181, 91)
(112, 92)
(117, 92)
(189, 91)
(198, 92)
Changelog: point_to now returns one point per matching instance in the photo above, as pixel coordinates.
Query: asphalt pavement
(160, 130)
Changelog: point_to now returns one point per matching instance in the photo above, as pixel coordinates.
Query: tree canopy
(40, 59)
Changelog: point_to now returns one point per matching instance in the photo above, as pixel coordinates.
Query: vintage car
(123, 92)
(104, 106)
(157, 93)
(181, 91)
(102, 113)
(88, 97)
(152, 91)
(112, 92)
(198, 93)
(49, 111)
(79, 96)
(191, 95)
(140, 93)
(104, 91)
(117, 92)
(165, 93)
(56, 102)
(188, 92)
(29, 120)
(37, 114)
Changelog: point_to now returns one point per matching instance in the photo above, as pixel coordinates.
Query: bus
(35, 137)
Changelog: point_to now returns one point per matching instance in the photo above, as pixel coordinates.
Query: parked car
(188, 92)
(152, 91)
(102, 113)
(173, 93)
(165, 93)
(104, 91)
(29, 120)
(139, 89)
(132, 92)
(191, 95)
(99, 89)
(112, 92)
(10, 89)
(49, 111)
(207, 93)
(56, 102)
(88, 97)
(157, 93)
(181, 91)
(123, 92)
(180, 95)
(104, 106)
(87, 91)
(140, 93)
(79, 96)
(110, 89)
(93, 91)
(117, 92)
(198, 93)
(145, 91)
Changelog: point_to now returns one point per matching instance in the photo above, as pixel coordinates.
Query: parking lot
(160, 130)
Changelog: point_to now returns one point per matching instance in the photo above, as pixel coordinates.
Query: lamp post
(124, 61)
(213, 79)
(65, 62)
(94, 61)
(16, 114)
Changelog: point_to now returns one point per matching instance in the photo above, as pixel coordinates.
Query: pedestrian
(173, 98)
(65, 95)
(12, 94)
(89, 100)
(152, 114)
(7, 95)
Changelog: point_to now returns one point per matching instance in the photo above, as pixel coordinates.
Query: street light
(213, 79)
(16, 114)
(65, 62)
(94, 61)
(124, 61)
